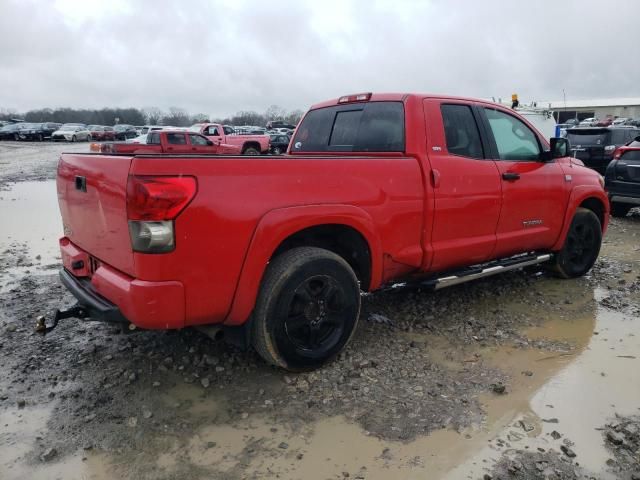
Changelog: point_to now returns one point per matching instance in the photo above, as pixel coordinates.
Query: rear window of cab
(356, 127)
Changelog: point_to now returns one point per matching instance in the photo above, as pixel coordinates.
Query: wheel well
(247, 145)
(596, 206)
(340, 239)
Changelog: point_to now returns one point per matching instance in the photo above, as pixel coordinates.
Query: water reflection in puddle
(31, 226)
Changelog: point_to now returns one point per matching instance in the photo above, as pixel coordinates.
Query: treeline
(176, 117)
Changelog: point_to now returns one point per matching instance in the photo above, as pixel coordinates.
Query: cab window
(514, 140)
(154, 139)
(212, 131)
(461, 131)
(176, 139)
(198, 140)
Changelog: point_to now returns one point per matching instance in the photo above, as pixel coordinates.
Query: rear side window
(213, 131)
(620, 137)
(176, 139)
(461, 131)
(631, 155)
(360, 127)
(154, 139)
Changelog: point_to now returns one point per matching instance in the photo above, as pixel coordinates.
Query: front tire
(307, 309)
(277, 151)
(581, 246)
(619, 210)
(73, 139)
(89, 138)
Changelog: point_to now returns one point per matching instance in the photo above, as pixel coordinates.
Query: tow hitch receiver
(76, 311)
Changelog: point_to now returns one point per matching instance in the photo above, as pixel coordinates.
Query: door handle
(510, 176)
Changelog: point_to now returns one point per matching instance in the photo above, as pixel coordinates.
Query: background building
(600, 108)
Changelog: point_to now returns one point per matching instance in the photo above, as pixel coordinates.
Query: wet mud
(516, 376)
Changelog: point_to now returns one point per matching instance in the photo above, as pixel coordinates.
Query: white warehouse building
(599, 108)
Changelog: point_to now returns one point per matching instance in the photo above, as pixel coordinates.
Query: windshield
(354, 127)
(122, 128)
(196, 127)
(29, 125)
(69, 126)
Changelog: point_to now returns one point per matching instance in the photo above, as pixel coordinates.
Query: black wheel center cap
(315, 311)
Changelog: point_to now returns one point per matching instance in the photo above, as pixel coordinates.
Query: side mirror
(560, 147)
(210, 143)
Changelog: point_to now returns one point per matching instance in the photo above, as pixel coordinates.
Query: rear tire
(581, 246)
(619, 210)
(307, 309)
(73, 139)
(40, 138)
(89, 138)
(250, 151)
(277, 151)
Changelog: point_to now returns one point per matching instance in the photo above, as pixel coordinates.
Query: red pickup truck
(168, 141)
(375, 188)
(224, 135)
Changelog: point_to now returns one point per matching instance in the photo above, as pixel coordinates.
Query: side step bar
(487, 270)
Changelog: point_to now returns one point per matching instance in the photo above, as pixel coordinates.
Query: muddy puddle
(31, 226)
(570, 392)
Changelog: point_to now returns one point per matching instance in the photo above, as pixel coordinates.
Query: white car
(72, 132)
(142, 138)
(589, 122)
(619, 121)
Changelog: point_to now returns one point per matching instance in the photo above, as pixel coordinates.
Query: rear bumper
(111, 295)
(97, 308)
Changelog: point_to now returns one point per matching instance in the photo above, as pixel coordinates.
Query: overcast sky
(219, 57)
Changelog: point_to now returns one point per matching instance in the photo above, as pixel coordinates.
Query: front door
(534, 192)
(466, 187)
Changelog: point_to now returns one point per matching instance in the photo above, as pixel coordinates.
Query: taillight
(617, 154)
(152, 205)
(158, 198)
(609, 148)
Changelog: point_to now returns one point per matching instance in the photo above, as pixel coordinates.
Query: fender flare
(277, 225)
(578, 195)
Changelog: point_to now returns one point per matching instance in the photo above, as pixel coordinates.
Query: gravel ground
(420, 362)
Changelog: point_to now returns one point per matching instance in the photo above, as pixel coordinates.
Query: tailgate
(92, 199)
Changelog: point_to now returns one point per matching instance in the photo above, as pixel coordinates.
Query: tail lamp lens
(158, 198)
(152, 205)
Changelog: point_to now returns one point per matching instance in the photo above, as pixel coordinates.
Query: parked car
(72, 132)
(10, 132)
(275, 124)
(279, 144)
(574, 122)
(620, 121)
(595, 145)
(226, 135)
(589, 122)
(622, 179)
(37, 131)
(168, 141)
(605, 122)
(102, 132)
(276, 250)
(124, 132)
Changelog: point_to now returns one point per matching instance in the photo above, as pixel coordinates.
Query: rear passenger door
(466, 186)
(534, 192)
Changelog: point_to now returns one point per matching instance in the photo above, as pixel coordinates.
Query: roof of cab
(401, 97)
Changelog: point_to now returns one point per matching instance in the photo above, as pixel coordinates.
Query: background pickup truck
(221, 135)
(376, 188)
(166, 141)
